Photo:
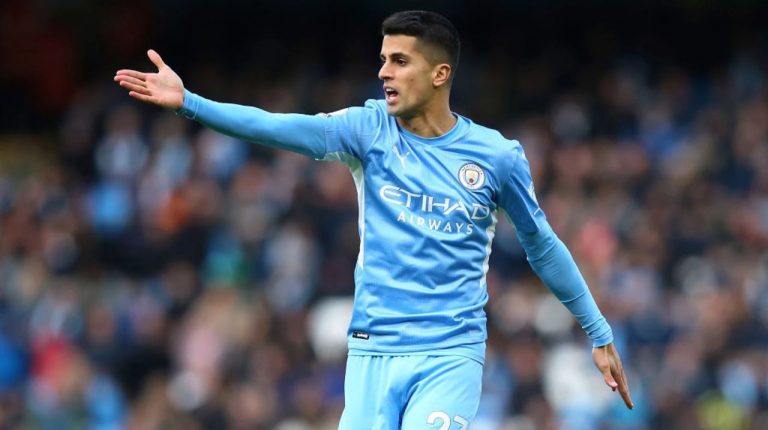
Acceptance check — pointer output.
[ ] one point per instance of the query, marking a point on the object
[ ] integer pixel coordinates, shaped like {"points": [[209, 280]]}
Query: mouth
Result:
{"points": [[391, 95]]}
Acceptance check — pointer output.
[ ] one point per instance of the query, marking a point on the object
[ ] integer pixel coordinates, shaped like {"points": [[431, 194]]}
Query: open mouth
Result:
{"points": [[390, 95]]}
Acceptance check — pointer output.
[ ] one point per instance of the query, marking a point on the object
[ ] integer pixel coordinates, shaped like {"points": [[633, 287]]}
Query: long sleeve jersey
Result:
{"points": [[428, 209]]}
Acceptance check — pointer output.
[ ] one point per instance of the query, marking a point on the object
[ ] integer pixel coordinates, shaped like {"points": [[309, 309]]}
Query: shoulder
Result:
{"points": [[372, 113], [365, 119], [375, 116], [503, 151], [371, 107], [376, 104], [372, 110], [493, 138]]}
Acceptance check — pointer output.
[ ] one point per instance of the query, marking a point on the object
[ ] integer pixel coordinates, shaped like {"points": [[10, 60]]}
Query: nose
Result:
{"points": [[385, 72]]}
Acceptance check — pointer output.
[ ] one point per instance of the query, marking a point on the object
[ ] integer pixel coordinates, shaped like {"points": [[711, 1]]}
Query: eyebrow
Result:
{"points": [[395, 55]]}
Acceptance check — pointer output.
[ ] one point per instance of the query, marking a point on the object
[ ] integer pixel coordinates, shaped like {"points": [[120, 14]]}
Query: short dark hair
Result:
{"points": [[430, 27]]}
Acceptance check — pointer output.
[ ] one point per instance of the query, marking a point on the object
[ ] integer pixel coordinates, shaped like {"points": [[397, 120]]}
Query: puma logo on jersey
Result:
{"points": [[399, 156]]}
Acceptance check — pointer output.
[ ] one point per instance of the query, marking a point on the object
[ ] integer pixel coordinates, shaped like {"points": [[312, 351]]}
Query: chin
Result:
{"points": [[399, 112], [393, 110]]}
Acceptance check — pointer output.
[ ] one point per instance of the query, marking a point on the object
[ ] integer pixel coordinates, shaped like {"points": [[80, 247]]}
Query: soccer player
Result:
{"points": [[430, 186]]}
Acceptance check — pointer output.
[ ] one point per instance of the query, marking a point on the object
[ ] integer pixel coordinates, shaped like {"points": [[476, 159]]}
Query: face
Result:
{"points": [[409, 77]]}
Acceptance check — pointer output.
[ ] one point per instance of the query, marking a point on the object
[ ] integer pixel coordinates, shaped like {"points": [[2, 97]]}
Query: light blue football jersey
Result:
{"points": [[428, 209]]}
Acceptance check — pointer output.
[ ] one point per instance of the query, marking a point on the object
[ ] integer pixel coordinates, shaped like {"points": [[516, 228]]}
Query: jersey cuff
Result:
{"points": [[604, 338], [191, 104]]}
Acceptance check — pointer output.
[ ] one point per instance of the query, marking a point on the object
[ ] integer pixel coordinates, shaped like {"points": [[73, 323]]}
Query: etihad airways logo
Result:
{"points": [[432, 212]]}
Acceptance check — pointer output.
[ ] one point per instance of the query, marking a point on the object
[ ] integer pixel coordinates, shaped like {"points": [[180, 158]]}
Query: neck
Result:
{"points": [[432, 121]]}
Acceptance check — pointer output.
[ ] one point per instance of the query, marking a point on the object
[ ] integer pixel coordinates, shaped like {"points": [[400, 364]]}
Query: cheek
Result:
{"points": [[418, 87]]}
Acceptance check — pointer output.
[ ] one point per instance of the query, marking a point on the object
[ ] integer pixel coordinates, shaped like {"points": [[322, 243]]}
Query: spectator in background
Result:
{"points": [[684, 227]]}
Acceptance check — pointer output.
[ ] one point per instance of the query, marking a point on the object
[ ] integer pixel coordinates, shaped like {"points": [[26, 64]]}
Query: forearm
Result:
{"points": [[304, 134], [553, 263]]}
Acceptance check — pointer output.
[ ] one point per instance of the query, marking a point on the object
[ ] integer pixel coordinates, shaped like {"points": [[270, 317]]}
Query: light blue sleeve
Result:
{"points": [[547, 254], [322, 136]]}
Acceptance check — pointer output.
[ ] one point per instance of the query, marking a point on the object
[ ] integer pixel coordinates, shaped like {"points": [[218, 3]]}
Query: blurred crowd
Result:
{"points": [[157, 275]]}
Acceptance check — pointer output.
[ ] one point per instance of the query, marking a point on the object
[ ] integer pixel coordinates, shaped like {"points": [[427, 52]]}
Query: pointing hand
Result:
{"points": [[607, 360]]}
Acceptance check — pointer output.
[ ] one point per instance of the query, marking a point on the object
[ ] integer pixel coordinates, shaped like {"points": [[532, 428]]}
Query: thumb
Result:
{"points": [[155, 58]]}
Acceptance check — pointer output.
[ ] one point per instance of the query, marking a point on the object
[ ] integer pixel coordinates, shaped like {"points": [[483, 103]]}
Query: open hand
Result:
{"points": [[607, 360], [163, 88]]}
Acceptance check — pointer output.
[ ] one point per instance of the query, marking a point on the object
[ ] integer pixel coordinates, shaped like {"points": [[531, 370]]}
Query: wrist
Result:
{"points": [[189, 105]]}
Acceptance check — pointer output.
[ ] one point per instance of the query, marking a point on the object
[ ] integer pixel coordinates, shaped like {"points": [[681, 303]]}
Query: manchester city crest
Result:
{"points": [[471, 176]]}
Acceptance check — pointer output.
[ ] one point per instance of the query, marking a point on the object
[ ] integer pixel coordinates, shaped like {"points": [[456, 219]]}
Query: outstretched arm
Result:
{"points": [[305, 134], [554, 264]]}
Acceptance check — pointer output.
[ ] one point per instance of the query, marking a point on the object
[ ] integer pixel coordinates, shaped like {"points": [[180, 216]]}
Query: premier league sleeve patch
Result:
{"points": [[471, 176], [337, 113]]}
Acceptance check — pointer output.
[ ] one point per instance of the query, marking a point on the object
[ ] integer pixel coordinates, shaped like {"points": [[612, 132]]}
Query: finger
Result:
{"points": [[624, 393], [135, 88], [132, 73], [603, 363], [131, 80], [155, 58], [624, 388], [143, 97], [610, 380]]}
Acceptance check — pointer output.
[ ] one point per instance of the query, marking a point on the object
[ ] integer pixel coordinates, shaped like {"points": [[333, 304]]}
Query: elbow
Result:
{"points": [[540, 243]]}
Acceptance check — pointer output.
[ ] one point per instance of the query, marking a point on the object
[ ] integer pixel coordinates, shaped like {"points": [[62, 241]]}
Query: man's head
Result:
{"points": [[419, 54]]}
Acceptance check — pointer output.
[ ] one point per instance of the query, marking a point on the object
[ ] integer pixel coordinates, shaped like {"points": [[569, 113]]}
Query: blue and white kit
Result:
{"points": [[428, 209]]}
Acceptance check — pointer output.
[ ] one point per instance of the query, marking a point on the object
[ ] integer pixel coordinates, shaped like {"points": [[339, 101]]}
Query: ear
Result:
{"points": [[441, 75]]}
